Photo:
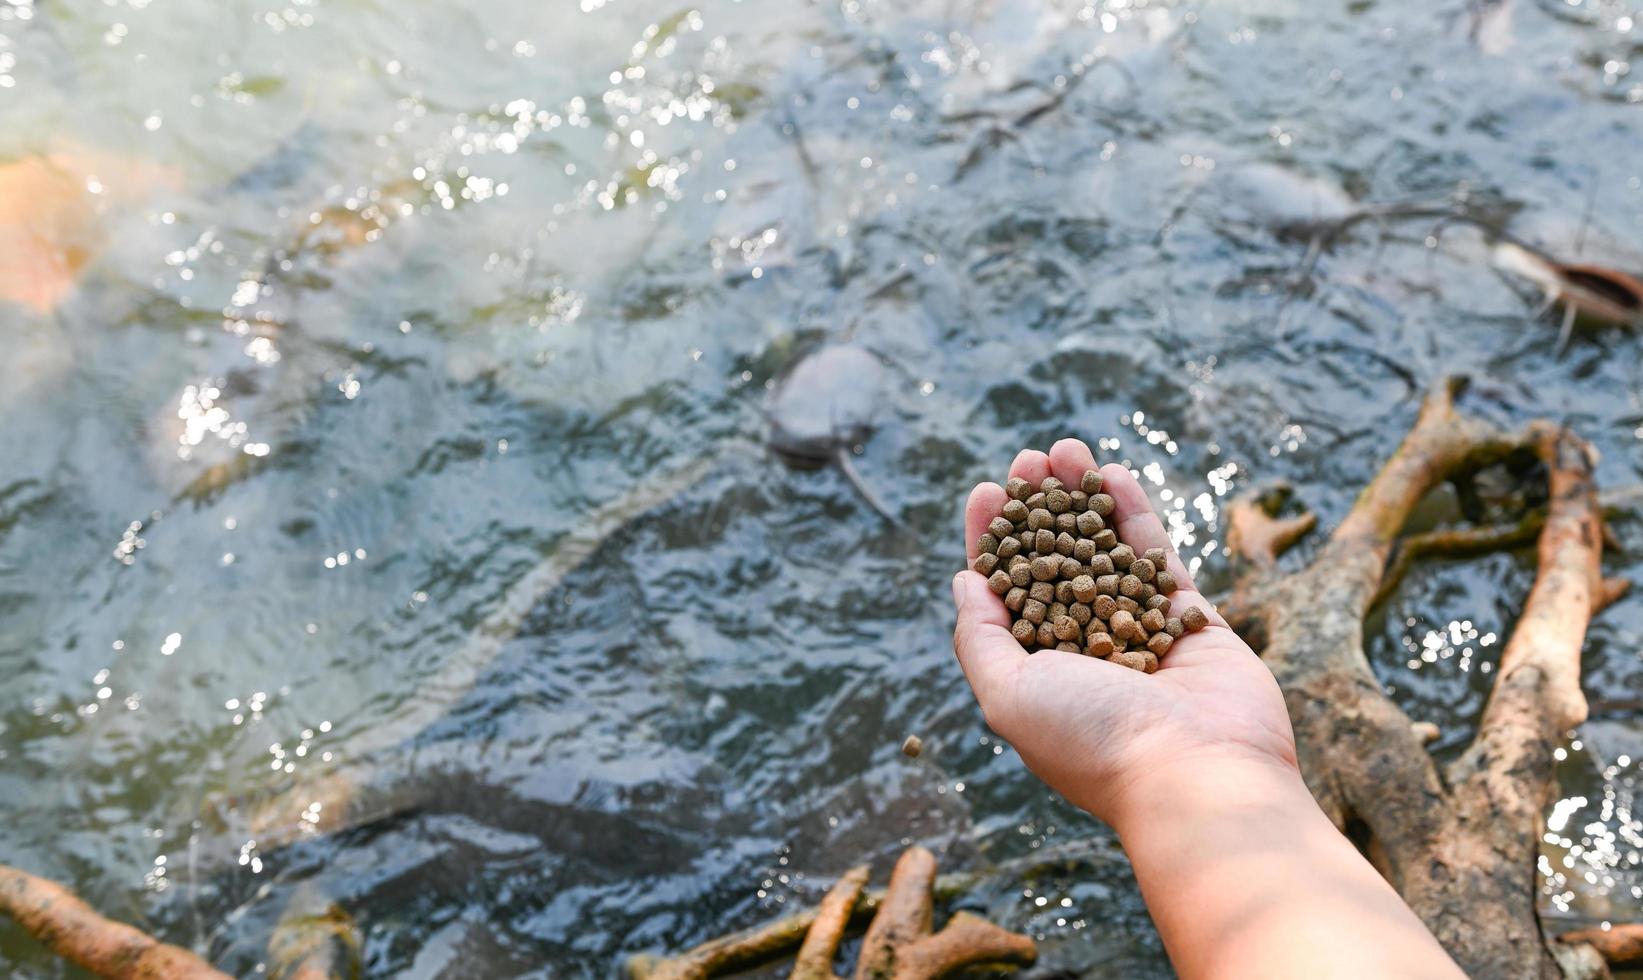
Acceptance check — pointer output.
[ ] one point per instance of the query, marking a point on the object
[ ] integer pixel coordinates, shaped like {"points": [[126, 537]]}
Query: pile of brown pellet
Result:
{"points": [[1072, 585]]}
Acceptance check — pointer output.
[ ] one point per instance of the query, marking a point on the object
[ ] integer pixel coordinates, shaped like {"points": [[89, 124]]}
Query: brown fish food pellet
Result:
{"points": [[1130, 587], [1033, 612], [1129, 658], [1056, 559], [1067, 628], [1104, 606]]}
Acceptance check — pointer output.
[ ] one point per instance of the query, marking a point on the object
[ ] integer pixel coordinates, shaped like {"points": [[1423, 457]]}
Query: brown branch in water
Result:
{"points": [[75, 931], [315, 939], [900, 946], [1619, 945], [821, 942], [1463, 542], [762, 944], [1459, 845], [1254, 531]]}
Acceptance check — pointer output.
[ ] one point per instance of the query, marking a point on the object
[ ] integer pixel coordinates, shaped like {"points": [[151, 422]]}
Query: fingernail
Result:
{"points": [[959, 591]]}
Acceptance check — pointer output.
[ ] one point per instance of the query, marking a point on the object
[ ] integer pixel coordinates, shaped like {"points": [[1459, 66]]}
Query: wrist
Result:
{"points": [[1214, 790]]}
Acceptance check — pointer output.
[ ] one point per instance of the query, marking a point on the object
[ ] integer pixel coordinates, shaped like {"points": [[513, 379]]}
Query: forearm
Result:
{"points": [[1245, 876]]}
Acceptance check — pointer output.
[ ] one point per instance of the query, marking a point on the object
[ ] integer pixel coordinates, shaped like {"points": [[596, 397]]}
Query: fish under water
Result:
{"points": [[825, 407], [1590, 293]]}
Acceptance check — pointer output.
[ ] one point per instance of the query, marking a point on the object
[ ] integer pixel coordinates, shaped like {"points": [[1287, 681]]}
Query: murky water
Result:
{"points": [[396, 404]]}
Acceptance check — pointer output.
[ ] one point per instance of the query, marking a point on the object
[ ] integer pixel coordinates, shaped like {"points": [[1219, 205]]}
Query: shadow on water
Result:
{"points": [[412, 439]]}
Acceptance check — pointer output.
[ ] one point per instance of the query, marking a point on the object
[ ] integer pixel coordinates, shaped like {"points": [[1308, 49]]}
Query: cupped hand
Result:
{"points": [[1106, 736]]}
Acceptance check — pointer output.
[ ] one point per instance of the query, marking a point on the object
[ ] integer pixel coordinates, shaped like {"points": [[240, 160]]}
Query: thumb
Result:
{"points": [[986, 650]]}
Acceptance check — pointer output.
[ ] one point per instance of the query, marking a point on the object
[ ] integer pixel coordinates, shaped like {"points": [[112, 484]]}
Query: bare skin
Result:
{"points": [[1195, 767]]}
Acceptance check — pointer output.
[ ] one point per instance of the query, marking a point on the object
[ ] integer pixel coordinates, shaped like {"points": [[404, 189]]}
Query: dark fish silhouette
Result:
{"points": [[823, 408]]}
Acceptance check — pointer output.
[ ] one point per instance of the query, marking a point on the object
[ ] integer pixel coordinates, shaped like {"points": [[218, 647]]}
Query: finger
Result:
{"points": [[1070, 459], [986, 502], [1031, 465], [1139, 527], [1135, 522], [988, 653]]}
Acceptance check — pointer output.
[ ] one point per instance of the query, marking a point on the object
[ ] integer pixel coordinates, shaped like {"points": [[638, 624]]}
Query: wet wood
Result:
{"points": [[1459, 844], [75, 931]]}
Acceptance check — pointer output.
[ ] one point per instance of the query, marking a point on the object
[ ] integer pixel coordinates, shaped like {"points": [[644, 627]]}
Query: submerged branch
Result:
{"points": [[75, 931], [1619, 945]]}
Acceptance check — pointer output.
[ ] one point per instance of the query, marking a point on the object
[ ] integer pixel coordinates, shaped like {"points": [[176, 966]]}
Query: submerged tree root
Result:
{"points": [[73, 930], [1459, 843], [899, 944]]}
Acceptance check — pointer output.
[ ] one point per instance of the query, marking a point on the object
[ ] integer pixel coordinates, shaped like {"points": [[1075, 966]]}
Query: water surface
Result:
{"points": [[386, 313]]}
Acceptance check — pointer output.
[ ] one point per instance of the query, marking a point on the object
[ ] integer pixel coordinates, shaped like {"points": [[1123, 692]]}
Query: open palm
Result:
{"points": [[1090, 729]]}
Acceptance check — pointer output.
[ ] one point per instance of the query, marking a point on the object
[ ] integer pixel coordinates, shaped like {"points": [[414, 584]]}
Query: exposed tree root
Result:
{"points": [[314, 940], [1619, 945], [821, 942], [899, 940], [1459, 844], [1256, 534], [74, 931]]}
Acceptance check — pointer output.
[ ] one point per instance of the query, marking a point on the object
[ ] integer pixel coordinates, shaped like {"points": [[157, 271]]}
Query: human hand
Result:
{"points": [[1107, 737]]}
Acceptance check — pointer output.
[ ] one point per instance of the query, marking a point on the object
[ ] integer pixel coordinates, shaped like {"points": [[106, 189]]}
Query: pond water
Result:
{"points": [[384, 389]]}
